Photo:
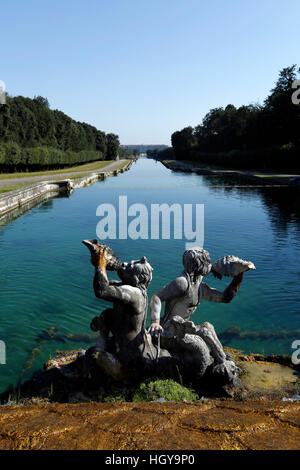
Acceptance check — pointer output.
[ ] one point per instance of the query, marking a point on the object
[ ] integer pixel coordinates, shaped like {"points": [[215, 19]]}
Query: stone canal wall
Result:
{"points": [[243, 176], [16, 199]]}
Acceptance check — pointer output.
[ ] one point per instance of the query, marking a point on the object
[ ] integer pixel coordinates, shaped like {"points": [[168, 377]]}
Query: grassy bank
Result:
{"points": [[283, 178], [13, 187], [82, 170], [85, 167]]}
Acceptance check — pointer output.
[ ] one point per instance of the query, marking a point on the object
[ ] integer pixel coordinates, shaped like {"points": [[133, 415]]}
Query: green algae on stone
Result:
{"points": [[168, 390]]}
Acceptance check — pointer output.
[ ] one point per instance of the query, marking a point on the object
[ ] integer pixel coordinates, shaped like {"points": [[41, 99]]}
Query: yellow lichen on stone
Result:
{"points": [[132, 426], [265, 376]]}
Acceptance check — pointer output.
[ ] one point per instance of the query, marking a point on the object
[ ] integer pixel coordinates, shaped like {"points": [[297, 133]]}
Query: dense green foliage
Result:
{"points": [[127, 153], [143, 148], [166, 389], [161, 154], [255, 136], [32, 136]]}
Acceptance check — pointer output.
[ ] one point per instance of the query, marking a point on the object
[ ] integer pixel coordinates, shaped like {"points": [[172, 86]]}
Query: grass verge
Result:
{"points": [[14, 187], [86, 167]]}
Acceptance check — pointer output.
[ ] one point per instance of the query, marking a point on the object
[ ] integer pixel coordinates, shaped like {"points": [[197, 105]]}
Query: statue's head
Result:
{"points": [[137, 273], [196, 262]]}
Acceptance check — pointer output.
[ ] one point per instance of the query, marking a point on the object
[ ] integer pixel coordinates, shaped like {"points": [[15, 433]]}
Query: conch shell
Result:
{"points": [[231, 266], [114, 263]]}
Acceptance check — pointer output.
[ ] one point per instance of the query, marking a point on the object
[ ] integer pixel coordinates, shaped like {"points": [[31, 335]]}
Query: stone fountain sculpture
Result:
{"points": [[197, 347], [124, 347], [173, 346]]}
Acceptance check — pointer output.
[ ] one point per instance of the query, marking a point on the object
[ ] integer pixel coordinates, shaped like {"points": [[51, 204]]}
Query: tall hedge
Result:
{"points": [[32, 136]]}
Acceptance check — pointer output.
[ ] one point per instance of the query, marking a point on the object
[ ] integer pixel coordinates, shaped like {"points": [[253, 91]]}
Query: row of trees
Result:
{"points": [[128, 152], [253, 136], [34, 136], [161, 153]]}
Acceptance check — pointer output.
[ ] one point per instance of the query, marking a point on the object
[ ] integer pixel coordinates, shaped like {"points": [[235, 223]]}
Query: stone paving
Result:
{"points": [[212, 424]]}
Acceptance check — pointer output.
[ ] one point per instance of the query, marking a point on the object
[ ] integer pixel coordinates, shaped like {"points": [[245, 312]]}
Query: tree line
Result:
{"points": [[263, 136], [32, 136]]}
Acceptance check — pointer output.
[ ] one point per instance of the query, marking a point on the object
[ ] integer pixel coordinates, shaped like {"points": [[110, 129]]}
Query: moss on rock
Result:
{"points": [[167, 390]]}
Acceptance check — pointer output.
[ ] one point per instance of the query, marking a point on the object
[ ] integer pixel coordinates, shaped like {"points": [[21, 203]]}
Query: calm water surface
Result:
{"points": [[46, 276]]}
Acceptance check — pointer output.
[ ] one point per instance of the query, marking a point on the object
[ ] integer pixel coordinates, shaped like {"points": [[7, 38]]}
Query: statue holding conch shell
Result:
{"points": [[172, 342]]}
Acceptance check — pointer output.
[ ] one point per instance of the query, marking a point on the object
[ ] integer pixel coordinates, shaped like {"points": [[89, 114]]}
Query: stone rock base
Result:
{"points": [[211, 424]]}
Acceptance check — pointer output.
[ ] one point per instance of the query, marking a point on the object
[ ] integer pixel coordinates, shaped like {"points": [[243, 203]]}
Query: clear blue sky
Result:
{"points": [[142, 68]]}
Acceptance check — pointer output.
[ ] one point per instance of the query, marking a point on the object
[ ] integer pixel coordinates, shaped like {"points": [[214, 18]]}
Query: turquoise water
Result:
{"points": [[46, 276]]}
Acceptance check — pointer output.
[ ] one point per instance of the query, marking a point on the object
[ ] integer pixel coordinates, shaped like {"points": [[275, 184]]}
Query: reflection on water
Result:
{"points": [[283, 208], [46, 275], [282, 203]]}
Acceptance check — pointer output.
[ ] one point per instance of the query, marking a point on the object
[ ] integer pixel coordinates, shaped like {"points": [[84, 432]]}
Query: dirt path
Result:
{"points": [[58, 176]]}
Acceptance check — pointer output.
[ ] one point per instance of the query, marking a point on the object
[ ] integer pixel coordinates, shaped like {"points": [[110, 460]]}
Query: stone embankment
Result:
{"points": [[16, 199], [254, 178]]}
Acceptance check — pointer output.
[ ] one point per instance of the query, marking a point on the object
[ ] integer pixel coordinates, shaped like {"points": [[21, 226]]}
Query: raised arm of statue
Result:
{"points": [[103, 258], [109, 291], [209, 293]]}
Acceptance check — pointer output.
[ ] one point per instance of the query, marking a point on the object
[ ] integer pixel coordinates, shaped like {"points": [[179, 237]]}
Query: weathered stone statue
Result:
{"points": [[197, 346], [125, 349], [123, 342]]}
